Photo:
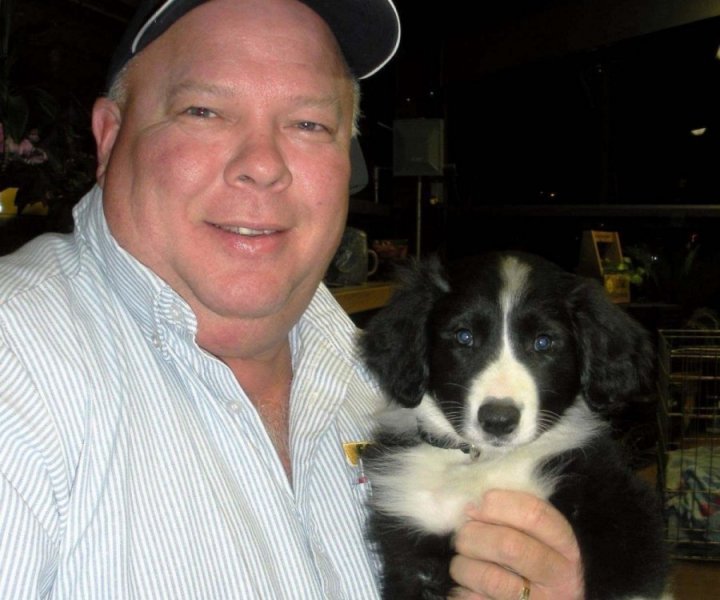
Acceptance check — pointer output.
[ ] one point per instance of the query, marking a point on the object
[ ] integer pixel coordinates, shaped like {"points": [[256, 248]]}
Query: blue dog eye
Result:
{"points": [[464, 337], [542, 343]]}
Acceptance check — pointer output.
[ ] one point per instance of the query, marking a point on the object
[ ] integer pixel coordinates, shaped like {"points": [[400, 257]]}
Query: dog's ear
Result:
{"points": [[617, 355], [394, 343]]}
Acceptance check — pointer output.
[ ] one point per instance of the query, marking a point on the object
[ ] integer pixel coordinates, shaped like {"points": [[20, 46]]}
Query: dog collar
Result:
{"points": [[445, 444]]}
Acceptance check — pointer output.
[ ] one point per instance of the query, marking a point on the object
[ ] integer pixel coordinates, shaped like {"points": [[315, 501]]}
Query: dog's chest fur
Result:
{"points": [[430, 487]]}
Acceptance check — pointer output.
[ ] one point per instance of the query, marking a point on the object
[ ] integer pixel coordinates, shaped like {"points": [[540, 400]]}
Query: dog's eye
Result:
{"points": [[464, 337], [542, 343]]}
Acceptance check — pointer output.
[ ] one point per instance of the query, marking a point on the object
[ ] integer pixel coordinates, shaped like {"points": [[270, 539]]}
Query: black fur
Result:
{"points": [[599, 356]]}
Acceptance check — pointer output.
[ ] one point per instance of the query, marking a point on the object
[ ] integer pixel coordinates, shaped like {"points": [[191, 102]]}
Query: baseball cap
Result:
{"points": [[368, 31]]}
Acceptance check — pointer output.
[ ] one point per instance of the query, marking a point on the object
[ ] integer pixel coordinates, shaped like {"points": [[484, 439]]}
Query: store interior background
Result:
{"points": [[558, 117]]}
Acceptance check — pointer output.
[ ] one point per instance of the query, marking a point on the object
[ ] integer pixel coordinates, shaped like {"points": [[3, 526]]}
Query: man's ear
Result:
{"points": [[106, 120]]}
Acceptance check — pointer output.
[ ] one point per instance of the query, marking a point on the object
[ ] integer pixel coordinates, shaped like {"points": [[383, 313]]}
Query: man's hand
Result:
{"points": [[512, 539]]}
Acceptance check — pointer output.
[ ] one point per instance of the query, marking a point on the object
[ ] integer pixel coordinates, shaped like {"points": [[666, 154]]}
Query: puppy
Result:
{"points": [[502, 372]]}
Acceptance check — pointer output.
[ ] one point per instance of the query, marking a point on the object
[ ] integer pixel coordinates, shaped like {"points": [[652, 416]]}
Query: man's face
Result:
{"points": [[227, 172]]}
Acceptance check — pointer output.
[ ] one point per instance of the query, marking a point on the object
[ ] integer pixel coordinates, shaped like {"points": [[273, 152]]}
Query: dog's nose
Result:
{"points": [[499, 416]]}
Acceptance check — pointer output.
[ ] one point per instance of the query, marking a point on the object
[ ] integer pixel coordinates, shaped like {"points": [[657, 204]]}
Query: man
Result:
{"points": [[176, 386]]}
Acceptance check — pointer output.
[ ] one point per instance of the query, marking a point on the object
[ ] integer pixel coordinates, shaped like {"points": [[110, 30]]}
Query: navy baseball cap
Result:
{"points": [[368, 31]]}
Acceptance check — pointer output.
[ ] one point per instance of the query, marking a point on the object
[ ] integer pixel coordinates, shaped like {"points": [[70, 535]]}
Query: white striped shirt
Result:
{"points": [[132, 465]]}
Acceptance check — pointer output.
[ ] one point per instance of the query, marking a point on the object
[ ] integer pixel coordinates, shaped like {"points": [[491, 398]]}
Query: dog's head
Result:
{"points": [[493, 350]]}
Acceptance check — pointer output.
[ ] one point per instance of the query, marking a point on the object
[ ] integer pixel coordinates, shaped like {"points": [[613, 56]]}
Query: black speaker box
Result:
{"points": [[418, 147]]}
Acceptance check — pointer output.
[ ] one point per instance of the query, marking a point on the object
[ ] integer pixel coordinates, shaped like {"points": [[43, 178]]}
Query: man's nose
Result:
{"points": [[258, 161]]}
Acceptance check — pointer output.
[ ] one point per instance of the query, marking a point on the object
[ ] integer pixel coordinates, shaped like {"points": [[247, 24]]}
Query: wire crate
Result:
{"points": [[689, 392]]}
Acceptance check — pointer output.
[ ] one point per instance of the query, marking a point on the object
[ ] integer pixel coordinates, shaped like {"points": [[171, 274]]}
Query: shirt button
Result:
{"points": [[234, 407], [156, 341], [176, 314]]}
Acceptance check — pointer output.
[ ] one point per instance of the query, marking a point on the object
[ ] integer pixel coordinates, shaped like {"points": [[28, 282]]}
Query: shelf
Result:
{"points": [[368, 296], [659, 211], [365, 207]]}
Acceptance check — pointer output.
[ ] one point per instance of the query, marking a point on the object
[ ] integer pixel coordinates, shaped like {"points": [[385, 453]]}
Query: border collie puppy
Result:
{"points": [[501, 373]]}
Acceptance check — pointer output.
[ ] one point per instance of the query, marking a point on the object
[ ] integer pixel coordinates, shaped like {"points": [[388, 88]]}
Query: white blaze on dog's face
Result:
{"points": [[505, 394], [502, 357]]}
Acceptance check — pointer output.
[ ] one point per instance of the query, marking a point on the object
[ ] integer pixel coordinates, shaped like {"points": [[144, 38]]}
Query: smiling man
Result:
{"points": [[177, 383], [228, 177]]}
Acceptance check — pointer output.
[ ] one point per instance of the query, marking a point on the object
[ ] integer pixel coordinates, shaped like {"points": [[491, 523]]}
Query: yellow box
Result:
{"points": [[617, 285], [7, 202]]}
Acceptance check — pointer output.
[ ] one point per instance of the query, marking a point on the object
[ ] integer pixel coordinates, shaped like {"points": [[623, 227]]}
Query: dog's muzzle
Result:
{"points": [[499, 417]]}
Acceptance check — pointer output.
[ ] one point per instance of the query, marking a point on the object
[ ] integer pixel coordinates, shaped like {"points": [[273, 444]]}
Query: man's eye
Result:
{"points": [[311, 126], [200, 112]]}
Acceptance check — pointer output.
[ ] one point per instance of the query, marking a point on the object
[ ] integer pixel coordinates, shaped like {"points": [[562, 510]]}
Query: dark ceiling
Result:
{"points": [[589, 101], [496, 34]]}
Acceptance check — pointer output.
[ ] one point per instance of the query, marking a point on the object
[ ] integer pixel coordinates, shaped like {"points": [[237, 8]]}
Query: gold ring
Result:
{"points": [[525, 594]]}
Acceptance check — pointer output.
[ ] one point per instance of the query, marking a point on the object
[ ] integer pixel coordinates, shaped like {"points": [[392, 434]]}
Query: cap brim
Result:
{"points": [[368, 31]]}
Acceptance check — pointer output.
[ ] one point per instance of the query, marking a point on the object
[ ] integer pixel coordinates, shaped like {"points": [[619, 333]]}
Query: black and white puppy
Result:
{"points": [[502, 369]]}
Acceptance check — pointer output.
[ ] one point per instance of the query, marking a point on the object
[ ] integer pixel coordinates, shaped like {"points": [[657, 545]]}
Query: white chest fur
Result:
{"points": [[429, 487]]}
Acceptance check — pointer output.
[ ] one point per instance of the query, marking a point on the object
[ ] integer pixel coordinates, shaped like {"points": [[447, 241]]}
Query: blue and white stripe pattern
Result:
{"points": [[133, 466]]}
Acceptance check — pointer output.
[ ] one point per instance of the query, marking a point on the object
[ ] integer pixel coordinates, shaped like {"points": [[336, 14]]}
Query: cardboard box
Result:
{"points": [[600, 255], [617, 285]]}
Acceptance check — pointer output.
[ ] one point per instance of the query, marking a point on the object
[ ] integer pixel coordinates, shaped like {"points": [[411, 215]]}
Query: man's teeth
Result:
{"points": [[247, 231]]}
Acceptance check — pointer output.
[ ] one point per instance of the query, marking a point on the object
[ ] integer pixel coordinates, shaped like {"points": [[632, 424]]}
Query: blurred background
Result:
{"points": [[507, 124]]}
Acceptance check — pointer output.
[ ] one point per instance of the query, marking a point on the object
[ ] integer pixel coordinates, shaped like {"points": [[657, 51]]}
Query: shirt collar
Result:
{"points": [[152, 302], [149, 299]]}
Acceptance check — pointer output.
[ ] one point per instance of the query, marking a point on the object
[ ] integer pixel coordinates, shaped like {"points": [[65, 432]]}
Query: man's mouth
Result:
{"points": [[246, 231]]}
